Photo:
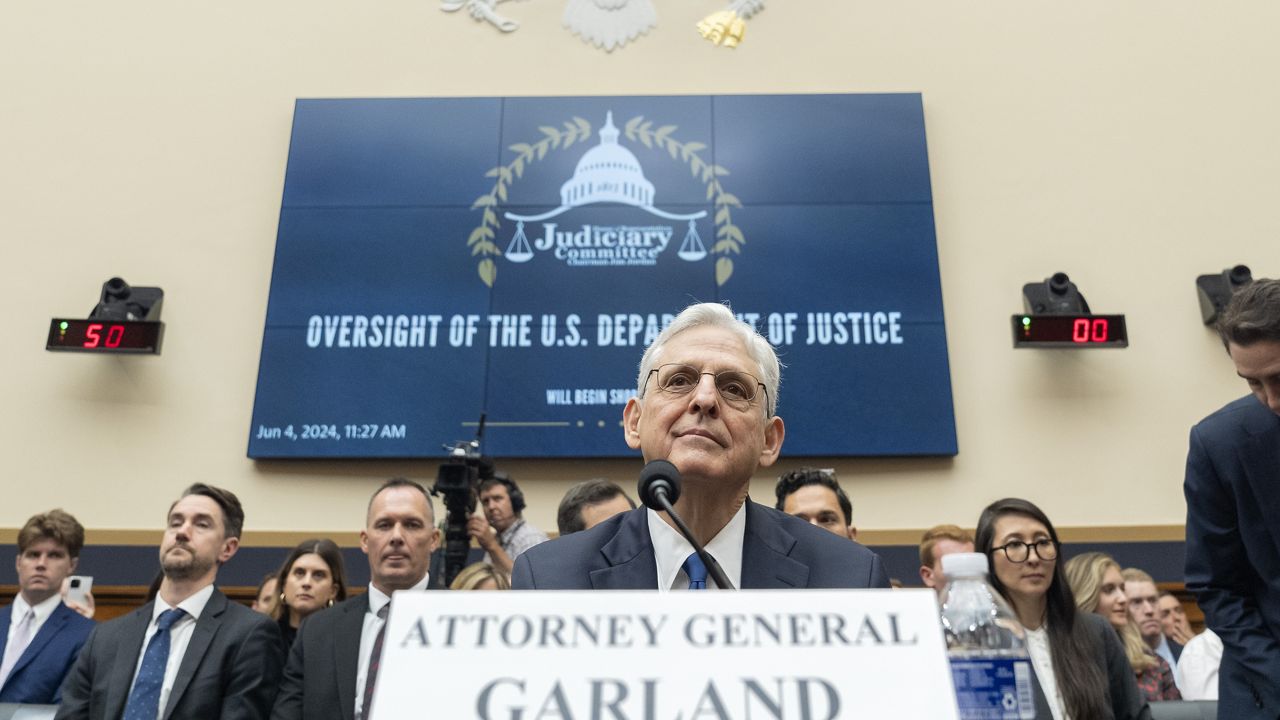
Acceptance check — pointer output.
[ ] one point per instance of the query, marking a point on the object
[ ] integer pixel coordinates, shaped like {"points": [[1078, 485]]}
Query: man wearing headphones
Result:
{"points": [[502, 531]]}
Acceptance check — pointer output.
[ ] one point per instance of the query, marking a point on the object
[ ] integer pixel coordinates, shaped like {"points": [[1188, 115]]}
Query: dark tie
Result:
{"points": [[375, 656], [144, 699], [696, 571]]}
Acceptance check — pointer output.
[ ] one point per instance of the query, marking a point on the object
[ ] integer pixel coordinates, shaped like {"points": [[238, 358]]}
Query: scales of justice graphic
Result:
{"points": [[607, 172]]}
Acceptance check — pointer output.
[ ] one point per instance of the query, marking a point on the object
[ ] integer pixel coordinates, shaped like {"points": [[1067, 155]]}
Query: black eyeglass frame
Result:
{"points": [[750, 400], [1046, 542]]}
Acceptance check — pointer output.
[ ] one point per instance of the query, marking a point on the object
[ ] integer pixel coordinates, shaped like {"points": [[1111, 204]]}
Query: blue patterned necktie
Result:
{"points": [[144, 699], [696, 571]]}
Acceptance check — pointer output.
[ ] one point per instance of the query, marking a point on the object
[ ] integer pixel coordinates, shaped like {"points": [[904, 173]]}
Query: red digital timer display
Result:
{"points": [[1070, 331], [102, 336]]}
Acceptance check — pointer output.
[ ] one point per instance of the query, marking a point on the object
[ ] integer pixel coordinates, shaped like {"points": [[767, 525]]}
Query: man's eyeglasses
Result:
{"points": [[1018, 551], [738, 389]]}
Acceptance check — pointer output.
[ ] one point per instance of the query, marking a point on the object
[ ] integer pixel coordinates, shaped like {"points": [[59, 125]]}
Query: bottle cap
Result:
{"points": [[964, 564]]}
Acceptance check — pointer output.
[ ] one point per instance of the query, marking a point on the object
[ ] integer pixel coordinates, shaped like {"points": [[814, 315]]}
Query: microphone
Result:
{"points": [[659, 488]]}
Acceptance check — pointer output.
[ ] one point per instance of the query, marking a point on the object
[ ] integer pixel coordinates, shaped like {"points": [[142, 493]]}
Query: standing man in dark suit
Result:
{"points": [[39, 636], [190, 654], [705, 400], [1233, 511], [332, 667]]}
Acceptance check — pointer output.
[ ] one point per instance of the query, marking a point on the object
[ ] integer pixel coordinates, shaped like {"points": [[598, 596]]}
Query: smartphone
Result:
{"points": [[78, 587]]}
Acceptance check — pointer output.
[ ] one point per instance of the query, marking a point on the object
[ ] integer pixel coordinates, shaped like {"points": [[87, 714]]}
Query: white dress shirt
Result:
{"points": [[1042, 660], [369, 635], [43, 610], [179, 637], [1198, 671], [670, 550], [1166, 652]]}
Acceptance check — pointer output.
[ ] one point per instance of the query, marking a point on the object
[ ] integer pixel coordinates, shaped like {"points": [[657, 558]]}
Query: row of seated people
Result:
{"points": [[1152, 629]]}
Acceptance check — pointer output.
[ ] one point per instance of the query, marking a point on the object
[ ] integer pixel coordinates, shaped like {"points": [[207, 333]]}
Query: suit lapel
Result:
{"points": [[206, 627], [125, 661], [6, 616], [766, 550], [629, 555], [1260, 458], [346, 663], [47, 632]]}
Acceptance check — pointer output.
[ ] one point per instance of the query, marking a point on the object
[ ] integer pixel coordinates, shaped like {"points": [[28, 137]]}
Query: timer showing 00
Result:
{"points": [[1070, 331], [96, 336]]}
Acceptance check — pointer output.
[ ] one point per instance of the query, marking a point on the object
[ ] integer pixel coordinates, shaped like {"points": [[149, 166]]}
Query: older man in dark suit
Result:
{"points": [[706, 398], [1233, 502], [40, 637], [333, 665], [190, 654]]}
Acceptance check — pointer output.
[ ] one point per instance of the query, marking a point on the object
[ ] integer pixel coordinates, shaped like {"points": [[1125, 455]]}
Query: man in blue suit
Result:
{"points": [[1233, 511], [39, 636], [705, 400]]}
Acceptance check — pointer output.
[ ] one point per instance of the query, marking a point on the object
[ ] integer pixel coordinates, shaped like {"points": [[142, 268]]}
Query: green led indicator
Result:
{"points": [[63, 325], [1026, 322]]}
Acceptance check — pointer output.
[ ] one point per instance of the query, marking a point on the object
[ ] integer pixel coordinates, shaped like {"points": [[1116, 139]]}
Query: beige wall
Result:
{"points": [[1131, 144]]}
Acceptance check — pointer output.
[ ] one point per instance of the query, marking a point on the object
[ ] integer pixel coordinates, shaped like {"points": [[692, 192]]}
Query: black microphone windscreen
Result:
{"points": [[658, 474]]}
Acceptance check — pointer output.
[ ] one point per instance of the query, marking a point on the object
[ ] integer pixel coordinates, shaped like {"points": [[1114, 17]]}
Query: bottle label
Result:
{"points": [[993, 688]]}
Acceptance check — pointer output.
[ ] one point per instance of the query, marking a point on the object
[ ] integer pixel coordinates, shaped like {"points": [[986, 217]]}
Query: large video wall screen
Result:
{"points": [[442, 258]]}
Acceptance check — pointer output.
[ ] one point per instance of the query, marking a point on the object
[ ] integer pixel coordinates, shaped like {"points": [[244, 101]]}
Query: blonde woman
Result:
{"points": [[1098, 587], [480, 576]]}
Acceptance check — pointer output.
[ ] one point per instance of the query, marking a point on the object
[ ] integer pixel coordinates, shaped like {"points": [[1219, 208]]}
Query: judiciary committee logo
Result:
{"points": [[606, 173]]}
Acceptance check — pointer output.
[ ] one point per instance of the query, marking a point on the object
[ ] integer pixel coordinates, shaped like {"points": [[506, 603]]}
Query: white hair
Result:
{"points": [[717, 315]]}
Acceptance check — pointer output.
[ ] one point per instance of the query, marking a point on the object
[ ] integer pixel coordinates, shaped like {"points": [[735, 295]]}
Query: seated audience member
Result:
{"points": [[590, 503], [1144, 599], [192, 653], [265, 599], [1173, 618], [311, 579], [706, 401], [331, 672], [1098, 587], [502, 530], [938, 541], [1198, 668], [1080, 667], [39, 635], [480, 576], [814, 496]]}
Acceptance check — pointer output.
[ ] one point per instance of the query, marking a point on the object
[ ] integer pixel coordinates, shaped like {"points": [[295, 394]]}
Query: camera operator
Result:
{"points": [[502, 531]]}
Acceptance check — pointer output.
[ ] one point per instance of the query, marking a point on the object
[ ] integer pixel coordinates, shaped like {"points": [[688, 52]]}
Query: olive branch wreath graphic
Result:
{"points": [[729, 237]]}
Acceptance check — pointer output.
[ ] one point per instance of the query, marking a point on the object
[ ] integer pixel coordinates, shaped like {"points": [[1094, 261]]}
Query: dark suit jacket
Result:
{"points": [[1233, 550], [1175, 649], [38, 674], [231, 669], [1126, 699], [320, 677], [778, 551]]}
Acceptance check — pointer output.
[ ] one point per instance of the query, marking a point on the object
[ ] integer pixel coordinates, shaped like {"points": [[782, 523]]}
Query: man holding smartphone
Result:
{"points": [[40, 637]]}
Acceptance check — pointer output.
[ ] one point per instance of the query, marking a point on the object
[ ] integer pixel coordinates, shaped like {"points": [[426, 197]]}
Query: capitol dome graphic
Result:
{"points": [[607, 173]]}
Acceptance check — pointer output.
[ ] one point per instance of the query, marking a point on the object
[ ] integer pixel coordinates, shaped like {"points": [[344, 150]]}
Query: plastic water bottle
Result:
{"points": [[986, 644]]}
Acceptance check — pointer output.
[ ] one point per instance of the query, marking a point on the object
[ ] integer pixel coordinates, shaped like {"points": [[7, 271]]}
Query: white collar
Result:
{"points": [[43, 609], [193, 605], [377, 598], [670, 549]]}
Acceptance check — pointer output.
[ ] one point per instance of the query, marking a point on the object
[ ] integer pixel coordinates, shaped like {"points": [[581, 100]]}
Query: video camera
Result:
{"points": [[458, 483]]}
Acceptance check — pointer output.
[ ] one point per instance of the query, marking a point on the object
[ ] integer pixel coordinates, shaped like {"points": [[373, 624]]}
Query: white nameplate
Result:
{"points": [[612, 655]]}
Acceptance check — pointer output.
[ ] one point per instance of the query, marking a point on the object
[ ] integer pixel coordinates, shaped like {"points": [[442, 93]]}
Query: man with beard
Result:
{"points": [[190, 653]]}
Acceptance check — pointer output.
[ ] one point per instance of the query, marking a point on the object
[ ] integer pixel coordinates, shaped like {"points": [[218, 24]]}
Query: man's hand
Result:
{"points": [[478, 527]]}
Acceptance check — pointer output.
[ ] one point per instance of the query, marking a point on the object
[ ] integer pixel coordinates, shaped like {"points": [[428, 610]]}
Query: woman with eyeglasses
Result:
{"points": [[1080, 667], [1098, 587]]}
